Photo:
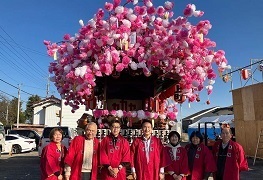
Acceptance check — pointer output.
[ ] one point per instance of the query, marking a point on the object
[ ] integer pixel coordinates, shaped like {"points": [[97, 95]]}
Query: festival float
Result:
{"points": [[134, 61]]}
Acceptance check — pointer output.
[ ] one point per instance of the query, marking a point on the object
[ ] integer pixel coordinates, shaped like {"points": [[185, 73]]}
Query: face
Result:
{"points": [[226, 135], [195, 140], [147, 129], [174, 139], [115, 129], [57, 137], [90, 131]]}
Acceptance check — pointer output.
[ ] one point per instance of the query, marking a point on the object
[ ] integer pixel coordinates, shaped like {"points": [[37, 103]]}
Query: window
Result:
{"points": [[10, 138]]}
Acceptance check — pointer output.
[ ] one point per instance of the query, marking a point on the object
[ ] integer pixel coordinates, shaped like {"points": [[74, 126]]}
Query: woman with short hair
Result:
{"points": [[175, 161], [200, 159], [52, 157]]}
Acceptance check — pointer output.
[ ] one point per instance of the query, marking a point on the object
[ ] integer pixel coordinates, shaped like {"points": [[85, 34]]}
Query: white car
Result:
{"points": [[16, 144]]}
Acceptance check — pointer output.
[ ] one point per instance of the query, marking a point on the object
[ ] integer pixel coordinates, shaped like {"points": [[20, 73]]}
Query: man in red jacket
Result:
{"points": [[81, 161], [229, 156], [114, 154], [146, 155]]}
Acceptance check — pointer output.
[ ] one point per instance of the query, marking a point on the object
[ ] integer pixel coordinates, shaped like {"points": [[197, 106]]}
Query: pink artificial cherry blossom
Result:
{"points": [[140, 38]]}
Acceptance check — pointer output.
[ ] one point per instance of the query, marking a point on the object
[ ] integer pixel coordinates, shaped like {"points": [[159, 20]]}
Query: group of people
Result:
{"points": [[147, 157]]}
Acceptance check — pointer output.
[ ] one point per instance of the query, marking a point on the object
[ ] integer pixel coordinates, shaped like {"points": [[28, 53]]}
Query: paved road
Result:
{"points": [[25, 166]]}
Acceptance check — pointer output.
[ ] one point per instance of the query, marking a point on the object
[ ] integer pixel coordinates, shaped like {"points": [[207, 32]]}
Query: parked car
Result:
{"points": [[2, 138], [17, 144], [68, 135], [32, 134]]}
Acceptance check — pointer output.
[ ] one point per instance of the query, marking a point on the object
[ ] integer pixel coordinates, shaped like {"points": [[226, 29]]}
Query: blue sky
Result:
{"points": [[237, 29]]}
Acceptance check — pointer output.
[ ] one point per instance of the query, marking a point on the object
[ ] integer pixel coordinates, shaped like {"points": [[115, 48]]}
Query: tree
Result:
{"points": [[4, 105], [29, 107], [12, 112]]}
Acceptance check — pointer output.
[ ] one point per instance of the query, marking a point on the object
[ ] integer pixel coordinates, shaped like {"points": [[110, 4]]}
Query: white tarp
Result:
{"points": [[224, 119], [212, 130]]}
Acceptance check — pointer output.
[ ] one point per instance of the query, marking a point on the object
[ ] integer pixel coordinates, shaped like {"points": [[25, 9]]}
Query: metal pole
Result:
{"points": [[6, 117], [232, 85], [251, 70], [18, 107], [60, 112], [48, 84]]}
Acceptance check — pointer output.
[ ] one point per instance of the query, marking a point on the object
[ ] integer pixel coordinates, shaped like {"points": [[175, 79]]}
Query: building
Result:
{"points": [[52, 112], [214, 111]]}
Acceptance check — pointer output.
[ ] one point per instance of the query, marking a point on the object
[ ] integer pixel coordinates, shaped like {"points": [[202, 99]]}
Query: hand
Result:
{"points": [[134, 175], [112, 171], [116, 171], [178, 177], [67, 177], [161, 176], [174, 176], [60, 177]]}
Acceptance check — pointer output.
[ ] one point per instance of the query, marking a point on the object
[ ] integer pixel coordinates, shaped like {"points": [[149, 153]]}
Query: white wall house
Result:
{"points": [[47, 112], [70, 119]]}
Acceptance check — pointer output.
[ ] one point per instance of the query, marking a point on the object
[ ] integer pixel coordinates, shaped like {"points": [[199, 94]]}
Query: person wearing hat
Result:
{"points": [[175, 161], [200, 159], [229, 156]]}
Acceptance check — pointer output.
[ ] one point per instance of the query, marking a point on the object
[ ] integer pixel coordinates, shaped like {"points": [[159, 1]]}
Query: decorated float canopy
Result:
{"points": [[139, 54]]}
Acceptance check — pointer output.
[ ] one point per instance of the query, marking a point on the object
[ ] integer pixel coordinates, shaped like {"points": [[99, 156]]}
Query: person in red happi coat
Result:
{"points": [[114, 154], [52, 157], [229, 156], [200, 159], [146, 155], [175, 161], [81, 162]]}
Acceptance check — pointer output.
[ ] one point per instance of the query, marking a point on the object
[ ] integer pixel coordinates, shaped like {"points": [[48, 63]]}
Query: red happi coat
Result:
{"points": [[235, 160], [74, 157], [52, 160], [144, 170], [113, 156], [178, 164], [203, 162]]}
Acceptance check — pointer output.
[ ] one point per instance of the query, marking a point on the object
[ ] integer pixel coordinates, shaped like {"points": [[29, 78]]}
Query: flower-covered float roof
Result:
{"points": [[138, 39]]}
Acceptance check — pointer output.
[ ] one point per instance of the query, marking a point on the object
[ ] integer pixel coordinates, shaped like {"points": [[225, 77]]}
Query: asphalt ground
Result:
{"points": [[25, 166]]}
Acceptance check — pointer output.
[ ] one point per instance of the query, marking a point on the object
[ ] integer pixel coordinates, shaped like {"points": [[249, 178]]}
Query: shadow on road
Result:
{"points": [[20, 166]]}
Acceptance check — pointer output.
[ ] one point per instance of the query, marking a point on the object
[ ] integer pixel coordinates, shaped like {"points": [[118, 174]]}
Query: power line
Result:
{"points": [[20, 59], [16, 87], [37, 70], [24, 72], [7, 94], [8, 76], [28, 49]]}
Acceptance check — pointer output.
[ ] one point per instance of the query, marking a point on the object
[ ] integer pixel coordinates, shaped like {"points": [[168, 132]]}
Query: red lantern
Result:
{"points": [[244, 74]]}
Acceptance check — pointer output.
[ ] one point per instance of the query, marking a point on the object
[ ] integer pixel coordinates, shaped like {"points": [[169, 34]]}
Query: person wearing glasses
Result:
{"points": [[146, 155], [114, 154], [81, 162], [229, 156], [200, 159]]}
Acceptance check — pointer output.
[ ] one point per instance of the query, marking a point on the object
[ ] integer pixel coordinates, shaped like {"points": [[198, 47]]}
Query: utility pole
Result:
{"points": [[18, 107], [6, 117], [48, 85]]}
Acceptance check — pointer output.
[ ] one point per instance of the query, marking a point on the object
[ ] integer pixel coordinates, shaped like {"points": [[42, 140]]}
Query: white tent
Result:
{"points": [[223, 119], [212, 130]]}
